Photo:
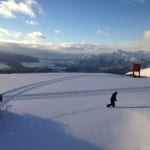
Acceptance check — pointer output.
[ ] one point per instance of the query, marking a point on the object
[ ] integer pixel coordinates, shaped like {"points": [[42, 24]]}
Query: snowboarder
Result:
{"points": [[112, 100], [1, 97]]}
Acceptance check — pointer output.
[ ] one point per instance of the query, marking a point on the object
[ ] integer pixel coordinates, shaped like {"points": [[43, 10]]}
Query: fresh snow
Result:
{"points": [[67, 111], [143, 72]]}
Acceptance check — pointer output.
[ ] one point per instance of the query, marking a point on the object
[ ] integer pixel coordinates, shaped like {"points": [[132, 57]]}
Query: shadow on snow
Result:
{"points": [[28, 132]]}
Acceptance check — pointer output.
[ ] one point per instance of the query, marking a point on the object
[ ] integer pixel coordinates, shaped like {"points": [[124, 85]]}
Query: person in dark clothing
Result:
{"points": [[1, 97], [112, 100]]}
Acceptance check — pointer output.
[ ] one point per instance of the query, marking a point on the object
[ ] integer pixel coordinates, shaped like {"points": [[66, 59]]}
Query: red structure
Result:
{"points": [[136, 68]]}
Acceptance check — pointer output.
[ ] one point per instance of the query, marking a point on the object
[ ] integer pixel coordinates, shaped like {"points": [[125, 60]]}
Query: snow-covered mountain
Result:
{"points": [[118, 58], [118, 61]]}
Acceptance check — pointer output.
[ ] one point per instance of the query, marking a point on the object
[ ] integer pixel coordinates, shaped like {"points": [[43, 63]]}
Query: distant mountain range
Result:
{"points": [[118, 61]]}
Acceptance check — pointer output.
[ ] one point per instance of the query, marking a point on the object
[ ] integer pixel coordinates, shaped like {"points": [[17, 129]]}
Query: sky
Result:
{"points": [[76, 24]]}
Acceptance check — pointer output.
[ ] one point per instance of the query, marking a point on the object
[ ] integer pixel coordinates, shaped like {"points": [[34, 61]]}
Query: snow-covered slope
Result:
{"points": [[67, 111]]}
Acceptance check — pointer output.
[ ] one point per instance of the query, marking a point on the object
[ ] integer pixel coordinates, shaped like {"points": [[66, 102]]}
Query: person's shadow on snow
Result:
{"points": [[28, 132]]}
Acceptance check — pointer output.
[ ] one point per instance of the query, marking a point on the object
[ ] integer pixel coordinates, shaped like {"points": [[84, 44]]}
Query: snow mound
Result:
{"points": [[143, 73]]}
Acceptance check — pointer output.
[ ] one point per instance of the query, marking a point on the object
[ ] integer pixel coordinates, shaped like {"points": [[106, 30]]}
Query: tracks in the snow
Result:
{"points": [[9, 95], [18, 93], [81, 93]]}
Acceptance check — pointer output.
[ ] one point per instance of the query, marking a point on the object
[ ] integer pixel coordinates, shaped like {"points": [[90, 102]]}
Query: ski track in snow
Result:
{"points": [[12, 94], [17, 93], [82, 93]]}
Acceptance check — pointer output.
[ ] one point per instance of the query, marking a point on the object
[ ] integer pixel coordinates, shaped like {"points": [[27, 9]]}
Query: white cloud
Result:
{"points": [[102, 32], [10, 8], [31, 37], [16, 34], [147, 34], [38, 41], [57, 31], [140, 44], [78, 47], [36, 36], [6, 33], [31, 22]]}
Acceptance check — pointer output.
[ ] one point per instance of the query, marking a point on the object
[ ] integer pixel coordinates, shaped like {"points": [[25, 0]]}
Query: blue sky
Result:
{"points": [[76, 23]]}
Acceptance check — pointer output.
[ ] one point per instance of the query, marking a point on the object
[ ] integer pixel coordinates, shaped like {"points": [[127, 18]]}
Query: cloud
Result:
{"points": [[3, 32], [140, 44], [57, 31], [11, 8], [54, 47], [102, 32], [7, 33], [36, 36], [31, 22], [147, 34], [76, 47], [31, 37], [37, 40], [16, 34]]}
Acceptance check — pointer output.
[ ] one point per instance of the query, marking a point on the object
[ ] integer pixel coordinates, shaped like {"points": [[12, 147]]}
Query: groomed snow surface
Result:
{"points": [[68, 111]]}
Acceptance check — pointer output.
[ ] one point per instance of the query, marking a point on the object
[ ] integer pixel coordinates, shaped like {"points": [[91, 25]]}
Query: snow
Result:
{"points": [[143, 72], [146, 72], [67, 111]]}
